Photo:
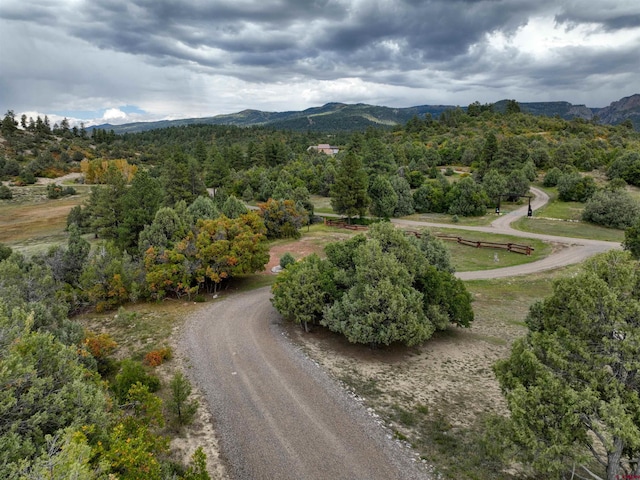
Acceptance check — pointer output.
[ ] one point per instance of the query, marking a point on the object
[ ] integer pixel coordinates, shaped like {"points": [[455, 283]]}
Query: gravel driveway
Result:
{"points": [[279, 416]]}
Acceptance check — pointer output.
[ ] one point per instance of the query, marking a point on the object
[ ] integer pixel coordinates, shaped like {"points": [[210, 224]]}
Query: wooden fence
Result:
{"points": [[341, 224], [510, 247]]}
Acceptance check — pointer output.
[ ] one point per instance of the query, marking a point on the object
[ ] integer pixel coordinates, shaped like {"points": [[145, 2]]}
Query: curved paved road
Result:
{"points": [[279, 416]]}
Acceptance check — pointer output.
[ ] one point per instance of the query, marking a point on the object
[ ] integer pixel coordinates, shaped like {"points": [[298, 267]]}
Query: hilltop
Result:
{"points": [[334, 117]]}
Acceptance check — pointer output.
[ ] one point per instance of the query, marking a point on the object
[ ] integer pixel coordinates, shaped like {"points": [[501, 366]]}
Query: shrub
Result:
{"points": [[132, 372], [99, 345], [626, 167], [613, 209], [158, 357], [573, 187], [5, 193], [552, 177], [5, 251], [287, 259], [57, 191]]}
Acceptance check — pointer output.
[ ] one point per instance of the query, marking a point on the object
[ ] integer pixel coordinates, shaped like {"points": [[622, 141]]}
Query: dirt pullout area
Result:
{"points": [[450, 374], [302, 248]]}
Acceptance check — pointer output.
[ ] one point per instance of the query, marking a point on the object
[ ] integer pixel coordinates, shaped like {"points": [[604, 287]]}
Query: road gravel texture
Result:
{"points": [[280, 416]]}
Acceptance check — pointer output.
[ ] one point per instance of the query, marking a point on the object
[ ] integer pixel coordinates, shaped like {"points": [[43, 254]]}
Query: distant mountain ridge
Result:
{"points": [[341, 116]]}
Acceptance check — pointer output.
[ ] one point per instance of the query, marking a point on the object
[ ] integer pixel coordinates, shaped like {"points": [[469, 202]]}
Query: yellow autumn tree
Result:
{"points": [[95, 171]]}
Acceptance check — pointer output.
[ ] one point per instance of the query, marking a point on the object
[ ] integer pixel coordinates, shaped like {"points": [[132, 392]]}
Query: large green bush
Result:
{"points": [[612, 208]]}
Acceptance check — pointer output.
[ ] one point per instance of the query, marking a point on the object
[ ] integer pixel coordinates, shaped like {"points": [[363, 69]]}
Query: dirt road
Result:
{"points": [[279, 416]]}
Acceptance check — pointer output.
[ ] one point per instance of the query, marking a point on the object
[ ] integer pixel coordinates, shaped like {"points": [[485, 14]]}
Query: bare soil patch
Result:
{"points": [[300, 248], [450, 374]]}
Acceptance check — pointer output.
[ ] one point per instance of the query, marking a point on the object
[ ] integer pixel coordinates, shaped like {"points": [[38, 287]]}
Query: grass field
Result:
{"points": [[466, 258], [32, 223], [569, 229]]}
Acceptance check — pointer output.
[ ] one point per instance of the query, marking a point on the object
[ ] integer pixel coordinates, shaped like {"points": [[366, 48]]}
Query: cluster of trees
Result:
{"points": [[610, 206], [154, 250], [572, 383], [67, 409], [384, 288], [385, 196], [41, 126], [165, 235], [503, 150]]}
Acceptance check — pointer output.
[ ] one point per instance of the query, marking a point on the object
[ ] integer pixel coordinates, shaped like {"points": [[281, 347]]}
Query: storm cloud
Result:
{"points": [[192, 57]]}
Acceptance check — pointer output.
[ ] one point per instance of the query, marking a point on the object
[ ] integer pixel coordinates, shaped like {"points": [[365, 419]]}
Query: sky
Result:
{"points": [[120, 61]]}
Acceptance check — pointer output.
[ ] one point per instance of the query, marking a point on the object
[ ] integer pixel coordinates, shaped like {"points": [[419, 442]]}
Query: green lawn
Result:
{"points": [[466, 258], [576, 229]]}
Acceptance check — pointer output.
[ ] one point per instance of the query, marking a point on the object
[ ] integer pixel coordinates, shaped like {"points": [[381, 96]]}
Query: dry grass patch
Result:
{"points": [[33, 222]]}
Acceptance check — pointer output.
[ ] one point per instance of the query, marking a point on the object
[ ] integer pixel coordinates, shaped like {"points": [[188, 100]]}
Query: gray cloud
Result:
{"points": [[164, 53], [611, 16]]}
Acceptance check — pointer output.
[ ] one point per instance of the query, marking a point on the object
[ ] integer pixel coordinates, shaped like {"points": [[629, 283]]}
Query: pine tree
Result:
{"points": [[349, 192]]}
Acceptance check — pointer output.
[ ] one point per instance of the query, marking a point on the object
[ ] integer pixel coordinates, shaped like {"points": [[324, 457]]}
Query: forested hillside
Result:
{"points": [[167, 217]]}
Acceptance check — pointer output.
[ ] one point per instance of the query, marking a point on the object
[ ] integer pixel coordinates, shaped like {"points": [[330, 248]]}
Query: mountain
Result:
{"points": [[327, 118], [627, 108], [564, 110], [334, 117]]}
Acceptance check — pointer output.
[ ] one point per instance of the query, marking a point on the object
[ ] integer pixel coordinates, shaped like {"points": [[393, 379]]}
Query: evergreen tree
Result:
{"points": [[349, 192], [494, 184], [181, 179], [233, 208], [202, 208], [572, 383], [467, 198], [218, 171], [105, 207], [405, 199], [179, 404], [304, 289], [140, 204], [382, 307], [383, 198]]}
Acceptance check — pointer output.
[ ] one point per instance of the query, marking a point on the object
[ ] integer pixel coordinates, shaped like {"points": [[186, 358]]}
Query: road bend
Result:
{"points": [[279, 415]]}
